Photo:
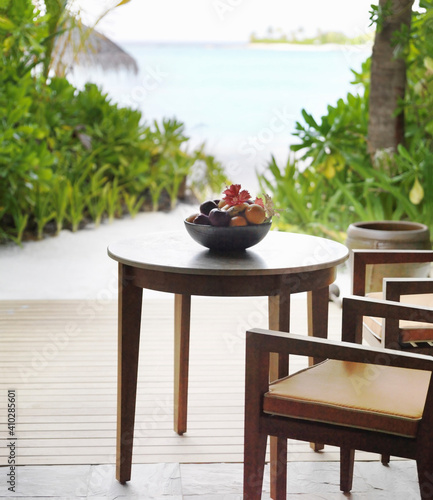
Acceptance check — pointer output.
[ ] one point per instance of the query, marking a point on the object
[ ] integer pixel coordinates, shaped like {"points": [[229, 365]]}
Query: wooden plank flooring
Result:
{"points": [[60, 358]]}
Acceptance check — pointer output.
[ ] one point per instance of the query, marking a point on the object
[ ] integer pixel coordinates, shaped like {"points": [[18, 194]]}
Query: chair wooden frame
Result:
{"points": [[258, 425], [361, 258], [393, 289]]}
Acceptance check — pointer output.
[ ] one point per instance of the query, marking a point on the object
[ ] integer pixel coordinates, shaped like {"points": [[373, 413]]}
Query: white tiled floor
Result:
{"points": [[172, 481]]}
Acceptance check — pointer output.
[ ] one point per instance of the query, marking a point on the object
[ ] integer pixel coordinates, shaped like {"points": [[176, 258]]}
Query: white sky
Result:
{"points": [[225, 20]]}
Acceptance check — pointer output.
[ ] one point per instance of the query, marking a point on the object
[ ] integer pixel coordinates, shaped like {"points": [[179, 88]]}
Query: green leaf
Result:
{"points": [[309, 119], [45, 174], [6, 24], [402, 151]]}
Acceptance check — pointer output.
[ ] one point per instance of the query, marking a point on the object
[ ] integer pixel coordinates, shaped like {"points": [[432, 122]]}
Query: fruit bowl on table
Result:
{"points": [[234, 222], [228, 238]]}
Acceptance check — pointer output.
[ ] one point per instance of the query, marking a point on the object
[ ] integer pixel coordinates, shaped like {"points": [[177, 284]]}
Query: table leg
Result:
{"points": [[318, 312], [279, 319], [129, 319], [318, 308], [182, 317]]}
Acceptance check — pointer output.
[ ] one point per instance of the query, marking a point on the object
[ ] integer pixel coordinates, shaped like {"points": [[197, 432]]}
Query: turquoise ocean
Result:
{"points": [[242, 101]]}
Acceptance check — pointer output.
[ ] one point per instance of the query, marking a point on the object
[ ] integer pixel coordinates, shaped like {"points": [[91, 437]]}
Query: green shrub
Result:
{"points": [[68, 157], [332, 181]]}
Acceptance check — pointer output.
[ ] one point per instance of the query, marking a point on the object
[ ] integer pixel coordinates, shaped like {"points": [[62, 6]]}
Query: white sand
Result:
{"points": [[76, 265]]}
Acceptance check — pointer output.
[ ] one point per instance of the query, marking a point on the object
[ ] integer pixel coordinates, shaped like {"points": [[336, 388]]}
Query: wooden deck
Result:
{"points": [[60, 358]]}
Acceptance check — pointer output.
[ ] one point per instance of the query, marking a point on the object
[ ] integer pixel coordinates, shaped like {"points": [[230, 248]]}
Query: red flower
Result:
{"points": [[259, 201], [234, 195]]}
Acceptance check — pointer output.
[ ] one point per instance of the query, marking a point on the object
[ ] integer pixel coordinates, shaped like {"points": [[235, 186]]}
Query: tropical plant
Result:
{"points": [[69, 157], [334, 180]]}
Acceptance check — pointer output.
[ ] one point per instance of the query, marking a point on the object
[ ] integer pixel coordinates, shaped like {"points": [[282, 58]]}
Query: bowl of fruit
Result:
{"points": [[234, 222]]}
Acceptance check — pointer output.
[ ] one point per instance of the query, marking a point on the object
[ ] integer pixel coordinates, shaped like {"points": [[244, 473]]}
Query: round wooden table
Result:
{"points": [[281, 264]]}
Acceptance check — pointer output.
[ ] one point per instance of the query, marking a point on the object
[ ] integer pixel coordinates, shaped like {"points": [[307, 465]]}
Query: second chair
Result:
{"points": [[360, 398], [415, 291]]}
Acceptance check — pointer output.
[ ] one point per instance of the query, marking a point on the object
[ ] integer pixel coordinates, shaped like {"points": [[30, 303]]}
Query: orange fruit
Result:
{"points": [[255, 214], [238, 220]]}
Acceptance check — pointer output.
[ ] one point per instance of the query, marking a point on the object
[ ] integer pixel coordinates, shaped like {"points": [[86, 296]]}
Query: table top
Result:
{"points": [[277, 253]]}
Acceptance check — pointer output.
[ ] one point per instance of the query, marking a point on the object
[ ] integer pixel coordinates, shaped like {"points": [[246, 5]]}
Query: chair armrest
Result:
{"points": [[261, 342], [361, 258], [355, 308], [393, 288]]}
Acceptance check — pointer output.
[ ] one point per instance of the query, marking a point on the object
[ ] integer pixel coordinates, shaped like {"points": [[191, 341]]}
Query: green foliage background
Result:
{"points": [[330, 180], [68, 157]]}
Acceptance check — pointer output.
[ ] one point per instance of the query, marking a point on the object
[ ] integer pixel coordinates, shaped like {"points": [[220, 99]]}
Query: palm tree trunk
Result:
{"points": [[388, 79]]}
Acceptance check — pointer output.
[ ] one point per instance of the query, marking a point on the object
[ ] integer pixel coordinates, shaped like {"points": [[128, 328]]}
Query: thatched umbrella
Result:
{"points": [[80, 45]]}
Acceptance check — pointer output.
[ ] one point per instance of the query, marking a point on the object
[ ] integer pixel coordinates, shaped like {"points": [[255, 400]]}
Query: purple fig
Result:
{"points": [[219, 217], [202, 219], [207, 206]]}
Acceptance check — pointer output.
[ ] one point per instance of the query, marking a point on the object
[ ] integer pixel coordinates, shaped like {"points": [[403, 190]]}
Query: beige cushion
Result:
{"points": [[411, 333], [357, 395]]}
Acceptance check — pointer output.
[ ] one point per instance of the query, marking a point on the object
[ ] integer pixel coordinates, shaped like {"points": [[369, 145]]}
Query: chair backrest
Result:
{"points": [[362, 258], [391, 333]]}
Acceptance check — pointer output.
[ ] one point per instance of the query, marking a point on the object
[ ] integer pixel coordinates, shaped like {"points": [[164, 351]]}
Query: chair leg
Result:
{"points": [[385, 459], [254, 464], [278, 452], [347, 459], [425, 476]]}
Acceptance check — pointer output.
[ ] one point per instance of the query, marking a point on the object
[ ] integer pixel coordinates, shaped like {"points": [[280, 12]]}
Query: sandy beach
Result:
{"points": [[76, 265], [323, 47]]}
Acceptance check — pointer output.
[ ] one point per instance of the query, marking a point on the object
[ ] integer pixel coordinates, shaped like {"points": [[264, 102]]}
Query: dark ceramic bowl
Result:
{"points": [[227, 238]]}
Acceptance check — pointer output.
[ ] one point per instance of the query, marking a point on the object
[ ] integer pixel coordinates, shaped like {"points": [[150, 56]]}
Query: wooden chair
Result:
{"points": [[392, 333], [360, 398], [417, 291]]}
